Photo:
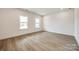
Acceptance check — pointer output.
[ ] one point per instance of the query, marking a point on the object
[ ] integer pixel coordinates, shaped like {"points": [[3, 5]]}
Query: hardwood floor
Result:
{"points": [[42, 41]]}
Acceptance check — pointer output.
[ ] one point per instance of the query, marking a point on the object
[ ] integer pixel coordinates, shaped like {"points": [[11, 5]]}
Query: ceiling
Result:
{"points": [[44, 11]]}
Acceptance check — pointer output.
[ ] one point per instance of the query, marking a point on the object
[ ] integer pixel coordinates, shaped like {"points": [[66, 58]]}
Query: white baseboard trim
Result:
{"points": [[77, 38], [13, 36], [61, 33]]}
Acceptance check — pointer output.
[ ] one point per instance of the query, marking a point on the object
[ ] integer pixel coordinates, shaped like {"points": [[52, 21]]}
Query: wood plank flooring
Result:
{"points": [[42, 41]]}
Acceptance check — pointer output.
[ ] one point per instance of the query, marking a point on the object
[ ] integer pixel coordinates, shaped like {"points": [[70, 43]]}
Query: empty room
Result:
{"points": [[39, 29]]}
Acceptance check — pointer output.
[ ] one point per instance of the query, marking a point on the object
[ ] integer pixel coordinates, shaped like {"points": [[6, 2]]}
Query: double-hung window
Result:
{"points": [[37, 23], [23, 22]]}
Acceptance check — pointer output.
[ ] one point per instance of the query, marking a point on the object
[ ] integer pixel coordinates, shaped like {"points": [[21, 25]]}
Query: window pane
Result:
{"points": [[23, 24], [23, 19], [23, 27], [37, 20], [37, 26]]}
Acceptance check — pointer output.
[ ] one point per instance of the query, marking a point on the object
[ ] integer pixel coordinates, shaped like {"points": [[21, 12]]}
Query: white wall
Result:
{"points": [[77, 25], [62, 22], [9, 22]]}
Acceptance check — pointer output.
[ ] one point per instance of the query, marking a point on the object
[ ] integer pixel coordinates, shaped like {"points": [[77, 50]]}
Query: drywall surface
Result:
{"points": [[62, 22], [10, 22]]}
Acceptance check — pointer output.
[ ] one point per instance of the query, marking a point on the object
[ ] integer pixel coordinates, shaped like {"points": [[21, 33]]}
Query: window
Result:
{"points": [[23, 22], [37, 23]]}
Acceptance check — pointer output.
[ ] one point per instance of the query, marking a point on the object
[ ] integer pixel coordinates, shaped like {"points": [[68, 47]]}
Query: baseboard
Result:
{"points": [[77, 39], [61, 33], [21, 35]]}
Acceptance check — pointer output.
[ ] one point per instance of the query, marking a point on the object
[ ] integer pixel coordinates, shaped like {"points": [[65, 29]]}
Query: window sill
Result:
{"points": [[23, 29]]}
